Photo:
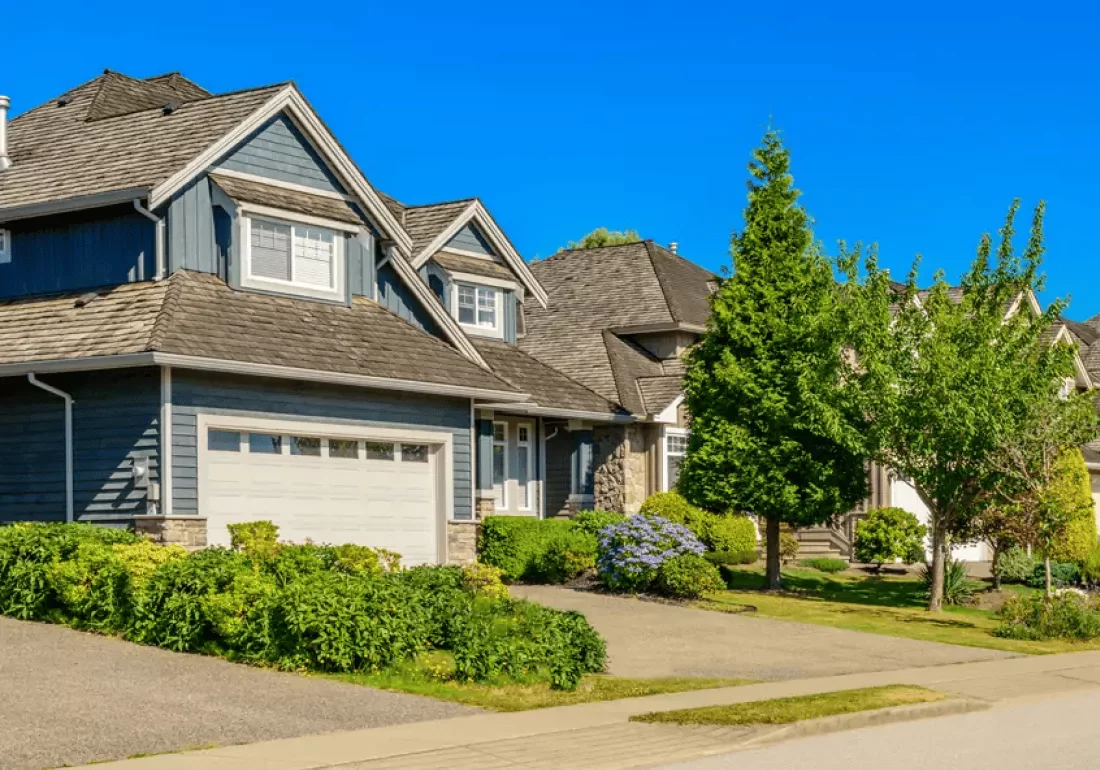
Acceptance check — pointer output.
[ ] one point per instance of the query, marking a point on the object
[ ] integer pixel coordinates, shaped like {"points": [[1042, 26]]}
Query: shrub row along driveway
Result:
{"points": [[652, 639], [72, 698]]}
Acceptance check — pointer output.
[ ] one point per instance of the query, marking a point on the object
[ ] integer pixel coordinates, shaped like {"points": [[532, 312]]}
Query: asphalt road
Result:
{"points": [[1057, 733], [69, 698], [646, 638]]}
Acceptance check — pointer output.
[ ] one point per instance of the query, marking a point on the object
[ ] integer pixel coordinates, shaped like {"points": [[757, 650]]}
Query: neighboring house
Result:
{"points": [[208, 314], [1087, 336], [618, 321]]}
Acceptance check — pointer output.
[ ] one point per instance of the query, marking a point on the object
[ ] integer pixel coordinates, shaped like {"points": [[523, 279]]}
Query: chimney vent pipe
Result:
{"points": [[5, 161]]}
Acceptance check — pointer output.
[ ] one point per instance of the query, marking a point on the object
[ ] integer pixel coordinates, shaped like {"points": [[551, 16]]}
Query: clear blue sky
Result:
{"points": [[913, 125]]}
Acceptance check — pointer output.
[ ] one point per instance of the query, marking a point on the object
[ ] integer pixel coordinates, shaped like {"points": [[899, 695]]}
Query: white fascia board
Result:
{"points": [[89, 364], [65, 205], [295, 105], [428, 300], [1083, 379], [568, 414], [477, 213], [99, 363], [672, 326], [333, 378]]}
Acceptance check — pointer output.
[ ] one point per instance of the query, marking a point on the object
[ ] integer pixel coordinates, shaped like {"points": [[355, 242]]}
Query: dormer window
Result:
{"points": [[293, 258], [479, 308], [5, 246]]}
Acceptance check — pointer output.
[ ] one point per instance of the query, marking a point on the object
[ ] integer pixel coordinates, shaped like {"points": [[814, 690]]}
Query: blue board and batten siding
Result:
{"points": [[396, 297], [192, 244], [469, 238], [195, 393], [83, 250], [116, 417], [278, 150]]}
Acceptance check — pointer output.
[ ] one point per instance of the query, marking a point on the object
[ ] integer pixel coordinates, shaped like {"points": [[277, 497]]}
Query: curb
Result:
{"points": [[886, 716]]}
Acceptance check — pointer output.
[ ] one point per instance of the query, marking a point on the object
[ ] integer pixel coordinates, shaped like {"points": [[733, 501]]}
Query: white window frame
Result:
{"points": [[336, 292], [497, 329], [500, 496], [528, 447], [666, 454], [5, 246]]}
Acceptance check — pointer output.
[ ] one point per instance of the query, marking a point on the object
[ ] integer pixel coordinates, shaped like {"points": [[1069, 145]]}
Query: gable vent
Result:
{"points": [[5, 161]]}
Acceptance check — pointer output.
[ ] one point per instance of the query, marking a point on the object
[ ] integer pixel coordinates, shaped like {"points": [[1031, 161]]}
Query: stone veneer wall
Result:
{"points": [[188, 531], [619, 456], [462, 542]]}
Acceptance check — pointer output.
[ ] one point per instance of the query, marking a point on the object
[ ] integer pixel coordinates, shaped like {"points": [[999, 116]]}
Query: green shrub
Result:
{"points": [[673, 507], [361, 560], [825, 564], [1062, 574], [957, 586], [484, 579], [27, 552], [335, 622], [1014, 565], [888, 534], [1072, 492], [594, 521], [295, 561], [1090, 568], [171, 611], [1067, 616], [731, 557], [91, 588], [567, 554], [518, 545], [730, 533], [258, 540], [687, 576]]}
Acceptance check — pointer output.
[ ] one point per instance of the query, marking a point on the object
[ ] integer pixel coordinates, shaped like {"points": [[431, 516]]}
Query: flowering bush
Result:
{"points": [[631, 553]]}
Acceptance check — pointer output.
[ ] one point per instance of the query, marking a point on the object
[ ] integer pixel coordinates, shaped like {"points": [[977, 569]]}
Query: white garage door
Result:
{"points": [[381, 492]]}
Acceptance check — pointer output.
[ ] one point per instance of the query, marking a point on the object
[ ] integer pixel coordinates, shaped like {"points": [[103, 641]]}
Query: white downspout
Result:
{"points": [[161, 267], [68, 440]]}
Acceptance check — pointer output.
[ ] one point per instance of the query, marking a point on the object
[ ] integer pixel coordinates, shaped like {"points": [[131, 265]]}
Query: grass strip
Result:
{"points": [[518, 696], [781, 711]]}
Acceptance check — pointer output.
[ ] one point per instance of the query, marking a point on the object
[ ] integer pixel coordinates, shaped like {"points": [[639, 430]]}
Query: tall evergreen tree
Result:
{"points": [[774, 431]]}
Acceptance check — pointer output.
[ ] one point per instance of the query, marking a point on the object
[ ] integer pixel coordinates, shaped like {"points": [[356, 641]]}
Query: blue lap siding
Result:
{"points": [[195, 393], [115, 419]]}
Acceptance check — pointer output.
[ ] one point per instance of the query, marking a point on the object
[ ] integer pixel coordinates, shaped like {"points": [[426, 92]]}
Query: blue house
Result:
{"points": [[208, 314]]}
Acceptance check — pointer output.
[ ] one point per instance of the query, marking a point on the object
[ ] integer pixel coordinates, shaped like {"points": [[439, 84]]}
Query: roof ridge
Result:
{"points": [[167, 309], [440, 203], [660, 283]]}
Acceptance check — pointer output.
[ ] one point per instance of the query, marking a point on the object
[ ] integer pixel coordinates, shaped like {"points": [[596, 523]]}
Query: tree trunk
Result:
{"points": [[775, 579], [1050, 591], [996, 577], [939, 549]]}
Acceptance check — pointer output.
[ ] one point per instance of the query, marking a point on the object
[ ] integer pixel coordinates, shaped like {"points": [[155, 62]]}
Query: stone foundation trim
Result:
{"points": [[188, 531]]}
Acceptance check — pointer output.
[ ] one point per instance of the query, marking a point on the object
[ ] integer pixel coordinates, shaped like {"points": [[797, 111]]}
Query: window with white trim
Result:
{"points": [[524, 452], [293, 257], [500, 464], [478, 307], [5, 246], [676, 444]]}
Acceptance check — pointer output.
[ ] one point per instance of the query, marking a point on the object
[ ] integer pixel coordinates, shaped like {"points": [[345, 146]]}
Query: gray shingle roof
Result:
{"points": [[547, 387], [659, 392], [297, 201], [86, 147], [196, 314], [425, 223], [593, 291]]}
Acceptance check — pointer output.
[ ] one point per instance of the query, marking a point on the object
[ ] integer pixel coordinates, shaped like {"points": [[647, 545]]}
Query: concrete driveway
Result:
{"points": [[70, 698], [647, 638]]}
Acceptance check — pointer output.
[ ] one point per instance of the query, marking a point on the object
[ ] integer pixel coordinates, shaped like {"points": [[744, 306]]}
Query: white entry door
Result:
{"points": [[327, 486]]}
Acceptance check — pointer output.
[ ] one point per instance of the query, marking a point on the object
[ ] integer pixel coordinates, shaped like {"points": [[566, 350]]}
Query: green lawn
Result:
{"points": [[892, 605], [518, 696], [781, 711]]}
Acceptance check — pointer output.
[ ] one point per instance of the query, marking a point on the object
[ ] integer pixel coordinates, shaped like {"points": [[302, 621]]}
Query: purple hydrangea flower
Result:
{"points": [[630, 553]]}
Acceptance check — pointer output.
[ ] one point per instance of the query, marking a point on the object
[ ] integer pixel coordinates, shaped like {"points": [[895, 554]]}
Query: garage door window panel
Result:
{"points": [[377, 450], [265, 444], [343, 449], [223, 441], [305, 446], [414, 453]]}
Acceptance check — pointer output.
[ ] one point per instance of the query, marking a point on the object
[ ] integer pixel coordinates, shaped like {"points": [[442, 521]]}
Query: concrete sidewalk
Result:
{"points": [[600, 736]]}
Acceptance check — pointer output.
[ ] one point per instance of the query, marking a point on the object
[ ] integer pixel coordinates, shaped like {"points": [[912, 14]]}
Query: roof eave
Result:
{"points": [[78, 203]]}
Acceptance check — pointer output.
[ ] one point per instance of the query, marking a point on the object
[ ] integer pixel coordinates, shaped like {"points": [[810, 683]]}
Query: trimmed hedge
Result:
{"points": [[825, 564], [309, 607], [536, 550], [687, 576], [732, 532]]}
